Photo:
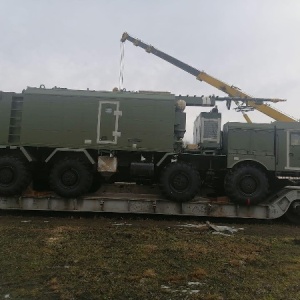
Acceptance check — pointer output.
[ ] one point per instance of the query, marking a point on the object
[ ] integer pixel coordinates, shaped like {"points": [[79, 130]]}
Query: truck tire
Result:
{"points": [[180, 182], [15, 175], [71, 177], [246, 185]]}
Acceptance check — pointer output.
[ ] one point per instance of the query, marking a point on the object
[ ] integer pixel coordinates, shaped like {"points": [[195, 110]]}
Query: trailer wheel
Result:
{"points": [[15, 175], [293, 213], [246, 185], [96, 183], [70, 177], [180, 182]]}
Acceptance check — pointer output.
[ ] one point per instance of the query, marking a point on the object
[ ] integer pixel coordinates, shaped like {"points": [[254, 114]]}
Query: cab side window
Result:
{"points": [[295, 138]]}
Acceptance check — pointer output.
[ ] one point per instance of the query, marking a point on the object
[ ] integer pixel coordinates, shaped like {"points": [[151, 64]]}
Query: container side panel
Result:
{"points": [[147, 124], [144, 124], [56, 121], [5, 112]]}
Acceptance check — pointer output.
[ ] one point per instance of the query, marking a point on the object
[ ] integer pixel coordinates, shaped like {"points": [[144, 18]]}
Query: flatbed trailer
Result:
{"points": [[138, 200]]}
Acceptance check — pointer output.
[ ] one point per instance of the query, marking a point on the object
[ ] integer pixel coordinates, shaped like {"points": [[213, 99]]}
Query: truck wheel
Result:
{"points": [[293, 213], [70, 177], [180, 182], [15, 175], [246, 185]]}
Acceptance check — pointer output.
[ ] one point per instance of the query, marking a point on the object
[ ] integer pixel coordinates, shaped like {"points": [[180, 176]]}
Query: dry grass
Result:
{"points": [[62, 258], [198, 274]]}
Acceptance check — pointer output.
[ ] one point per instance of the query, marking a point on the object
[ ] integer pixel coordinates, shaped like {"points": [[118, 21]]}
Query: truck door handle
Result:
{"points": [[291, 154], [134, 140]]}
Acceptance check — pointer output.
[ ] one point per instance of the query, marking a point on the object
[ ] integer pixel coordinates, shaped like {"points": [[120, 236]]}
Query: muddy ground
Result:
{"points": [[47, 256]]}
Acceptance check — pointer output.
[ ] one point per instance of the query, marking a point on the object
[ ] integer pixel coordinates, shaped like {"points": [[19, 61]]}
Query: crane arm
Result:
{"points": [[150, 49], [235, 92], [202, 76]]}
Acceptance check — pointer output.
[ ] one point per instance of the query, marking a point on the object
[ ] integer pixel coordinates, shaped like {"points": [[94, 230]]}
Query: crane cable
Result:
{"points": [[121, 75]]}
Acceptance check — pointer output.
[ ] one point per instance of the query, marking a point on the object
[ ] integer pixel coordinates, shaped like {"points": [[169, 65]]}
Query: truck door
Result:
{"points": [[108, 122], [293, 150]]}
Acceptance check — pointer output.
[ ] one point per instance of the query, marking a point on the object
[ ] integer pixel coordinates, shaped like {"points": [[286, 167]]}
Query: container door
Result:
{"points": [[108, 122], [293, 150]]}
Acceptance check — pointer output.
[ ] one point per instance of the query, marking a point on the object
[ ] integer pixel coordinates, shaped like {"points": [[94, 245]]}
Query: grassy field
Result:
{"points": [[44, 257]]}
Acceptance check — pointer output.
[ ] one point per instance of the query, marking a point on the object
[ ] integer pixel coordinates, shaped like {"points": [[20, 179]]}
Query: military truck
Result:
{"points": [[77, 140]]}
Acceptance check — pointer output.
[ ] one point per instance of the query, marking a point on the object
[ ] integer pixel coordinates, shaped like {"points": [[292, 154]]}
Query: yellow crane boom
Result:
{"points": [[230, 90], [235, 92]]}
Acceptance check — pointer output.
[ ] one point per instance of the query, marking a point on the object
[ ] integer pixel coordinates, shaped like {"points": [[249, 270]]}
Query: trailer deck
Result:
{"points": [[131, 200]]}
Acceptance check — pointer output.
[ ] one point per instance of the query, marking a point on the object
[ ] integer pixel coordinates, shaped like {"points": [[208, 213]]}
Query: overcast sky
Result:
{"points": [[252, 44]]}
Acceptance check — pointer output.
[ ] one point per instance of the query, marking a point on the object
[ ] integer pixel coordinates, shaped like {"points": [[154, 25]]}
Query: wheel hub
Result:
{"points": [[293, 213], [180, 182], [69, 177], [296, 207], [6, 175], [248, 185]]}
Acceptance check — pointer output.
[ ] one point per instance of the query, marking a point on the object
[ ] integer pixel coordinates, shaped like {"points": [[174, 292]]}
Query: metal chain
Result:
{"points": [[121, 77]]}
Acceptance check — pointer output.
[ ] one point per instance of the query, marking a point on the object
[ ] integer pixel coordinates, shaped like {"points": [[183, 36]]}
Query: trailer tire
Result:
{"points": [[246, 184], [180, 182], [96, 183], [293, 213], [15, 175], [71, 177]]}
